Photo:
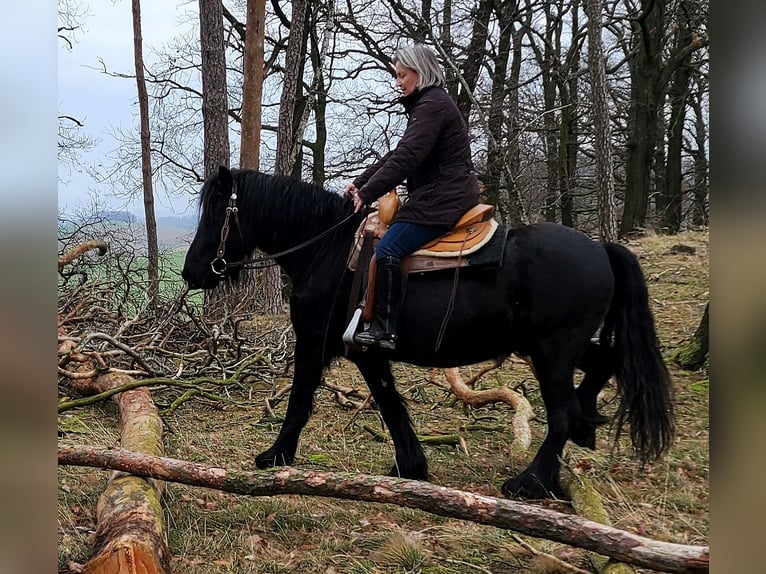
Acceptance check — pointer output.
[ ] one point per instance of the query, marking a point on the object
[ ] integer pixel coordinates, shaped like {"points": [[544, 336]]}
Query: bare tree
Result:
{"points": [[216, 126], [650, 71], [215, 106], [146, 160], [252, 85], [607, 218]]}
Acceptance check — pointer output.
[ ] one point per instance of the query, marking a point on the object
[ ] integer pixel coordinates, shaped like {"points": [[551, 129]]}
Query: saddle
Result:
{"points": [[474, 230]]}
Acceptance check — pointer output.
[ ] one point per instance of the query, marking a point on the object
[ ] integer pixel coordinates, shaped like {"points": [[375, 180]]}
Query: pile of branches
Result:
{"points": [[106, 324]]}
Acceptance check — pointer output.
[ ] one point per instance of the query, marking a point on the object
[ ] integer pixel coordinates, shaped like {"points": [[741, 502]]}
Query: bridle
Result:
{"points": [[219, 264]]}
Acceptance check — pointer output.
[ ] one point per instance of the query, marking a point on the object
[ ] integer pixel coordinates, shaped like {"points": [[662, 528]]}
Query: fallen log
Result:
{"points": [[587, 503], [520, 517], [130, 535]]}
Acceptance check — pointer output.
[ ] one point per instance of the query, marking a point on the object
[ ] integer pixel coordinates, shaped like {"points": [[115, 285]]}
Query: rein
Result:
{"points": [[219, 264]]}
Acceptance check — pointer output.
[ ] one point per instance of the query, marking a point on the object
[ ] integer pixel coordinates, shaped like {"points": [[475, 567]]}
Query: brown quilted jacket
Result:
{"points": [[434, 157]]}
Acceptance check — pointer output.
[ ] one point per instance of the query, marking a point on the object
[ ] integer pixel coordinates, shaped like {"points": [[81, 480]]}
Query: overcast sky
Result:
{"points": [[104, 103]]}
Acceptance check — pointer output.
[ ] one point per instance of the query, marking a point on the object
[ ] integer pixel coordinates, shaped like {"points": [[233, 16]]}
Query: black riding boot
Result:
{"points": [[388, 294]]}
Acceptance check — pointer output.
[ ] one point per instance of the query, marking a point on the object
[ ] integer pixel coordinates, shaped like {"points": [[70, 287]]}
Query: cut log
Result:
{"points": [[130, 534], [520, 517]]}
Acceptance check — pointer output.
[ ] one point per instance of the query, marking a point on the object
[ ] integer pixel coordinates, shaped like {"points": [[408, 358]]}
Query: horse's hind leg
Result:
{"points": [[541, 478], [598, 364], [308, 375], [410, 461]]}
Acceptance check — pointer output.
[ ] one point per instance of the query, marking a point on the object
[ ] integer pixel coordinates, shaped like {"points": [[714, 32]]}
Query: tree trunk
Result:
{"points": [[496, 124], [250, 139], [672, 193], [607, 211], [568, 144], [645, 73], [550, 66], [440, 500], [292, 84], [252, 85], [700, 193], [215, 107], [472, 65], [152, 248], [221, 301], [693, 354], [130, 537]]}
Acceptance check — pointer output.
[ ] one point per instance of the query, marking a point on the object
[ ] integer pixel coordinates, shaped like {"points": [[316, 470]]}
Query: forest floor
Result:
{"points": [[214, 532]]}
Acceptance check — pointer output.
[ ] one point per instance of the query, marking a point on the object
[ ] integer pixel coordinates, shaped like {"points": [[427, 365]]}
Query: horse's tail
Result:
{"points": [[644, 385]]}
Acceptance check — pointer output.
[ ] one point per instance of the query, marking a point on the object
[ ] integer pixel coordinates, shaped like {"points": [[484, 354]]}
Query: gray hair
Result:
{"points": [[423, 60]]}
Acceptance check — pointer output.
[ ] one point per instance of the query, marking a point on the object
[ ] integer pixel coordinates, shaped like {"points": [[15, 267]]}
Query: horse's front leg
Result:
{"points": [[409, 461], [308, 375]]}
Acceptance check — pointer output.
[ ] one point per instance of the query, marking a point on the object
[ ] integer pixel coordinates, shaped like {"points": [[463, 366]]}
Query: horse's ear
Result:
{"points": [[225, 180]]}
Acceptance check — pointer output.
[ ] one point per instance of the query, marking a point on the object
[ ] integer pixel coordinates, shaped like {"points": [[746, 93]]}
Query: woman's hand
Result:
{"points": [[352, 192]]}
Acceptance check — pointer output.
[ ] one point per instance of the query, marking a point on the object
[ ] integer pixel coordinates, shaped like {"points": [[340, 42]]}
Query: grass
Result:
{"points": [[216, 533]]}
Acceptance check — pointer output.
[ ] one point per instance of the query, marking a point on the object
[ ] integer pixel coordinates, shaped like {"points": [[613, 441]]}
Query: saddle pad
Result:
{"points": [[489, 256], [460, 242]]}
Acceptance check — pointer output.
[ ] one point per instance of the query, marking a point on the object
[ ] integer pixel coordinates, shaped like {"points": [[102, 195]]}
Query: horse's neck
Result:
{"points": [[295, 222]]}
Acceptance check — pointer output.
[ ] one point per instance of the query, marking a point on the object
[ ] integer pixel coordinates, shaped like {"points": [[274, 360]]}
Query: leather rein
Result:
{"points": [[219, 265]]}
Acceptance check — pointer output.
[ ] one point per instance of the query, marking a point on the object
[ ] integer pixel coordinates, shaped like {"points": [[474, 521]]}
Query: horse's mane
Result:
{"points": [[289, 206]]}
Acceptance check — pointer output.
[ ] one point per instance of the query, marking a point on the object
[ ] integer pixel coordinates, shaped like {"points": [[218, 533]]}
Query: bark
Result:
{"points": [[550, 66], [607, 211], [130, 536], [443, 501], [645, 93], [223, 300], [569, 144], [700, 193], [252, 89], [152, 247], [672, 193], [246, 291], [215, 107], [292, 85]]}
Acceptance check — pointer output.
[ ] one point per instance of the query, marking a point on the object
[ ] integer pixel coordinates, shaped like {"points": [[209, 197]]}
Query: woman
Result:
{"points": [[434, 156]]}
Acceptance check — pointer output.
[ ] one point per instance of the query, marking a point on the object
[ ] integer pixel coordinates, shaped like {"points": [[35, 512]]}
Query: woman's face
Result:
{"points": [[406, 79]]}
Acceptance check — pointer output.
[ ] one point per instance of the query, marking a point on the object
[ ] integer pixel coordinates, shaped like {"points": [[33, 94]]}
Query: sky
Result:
{"points": [[104, 103]]}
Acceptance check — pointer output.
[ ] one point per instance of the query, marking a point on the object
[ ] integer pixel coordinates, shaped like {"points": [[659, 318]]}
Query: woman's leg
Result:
{"points": [[401, 239]]}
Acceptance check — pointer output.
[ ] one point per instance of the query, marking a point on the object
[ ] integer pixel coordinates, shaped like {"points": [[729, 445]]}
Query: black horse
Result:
{"points": [[545, 302]]}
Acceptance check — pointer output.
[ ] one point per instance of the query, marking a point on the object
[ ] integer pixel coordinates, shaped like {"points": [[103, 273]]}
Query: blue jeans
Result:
{"points": [[404, 238]]}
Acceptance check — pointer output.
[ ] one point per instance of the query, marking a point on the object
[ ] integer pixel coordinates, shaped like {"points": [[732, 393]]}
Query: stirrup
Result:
{"points": [[370, 338]]}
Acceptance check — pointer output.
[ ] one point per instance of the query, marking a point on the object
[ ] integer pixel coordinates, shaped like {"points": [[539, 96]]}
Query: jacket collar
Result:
{"points": [[410, 100]]}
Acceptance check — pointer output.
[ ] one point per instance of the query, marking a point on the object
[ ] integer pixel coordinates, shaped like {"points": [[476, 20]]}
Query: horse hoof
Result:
{"points": [[527, 487], [271, 459]]}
